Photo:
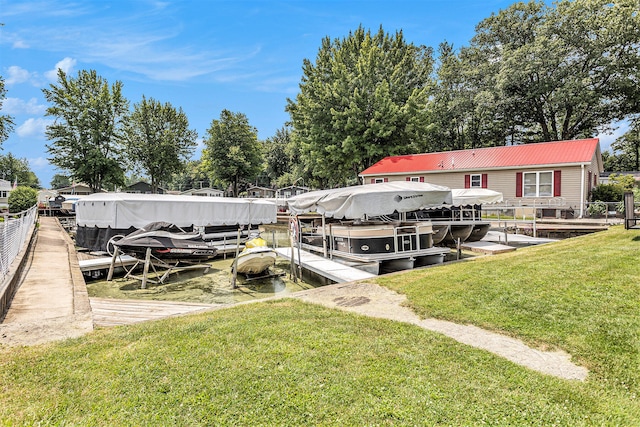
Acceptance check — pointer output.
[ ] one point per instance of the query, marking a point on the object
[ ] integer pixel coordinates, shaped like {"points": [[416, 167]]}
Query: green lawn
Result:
{"points": [[289, 363]]}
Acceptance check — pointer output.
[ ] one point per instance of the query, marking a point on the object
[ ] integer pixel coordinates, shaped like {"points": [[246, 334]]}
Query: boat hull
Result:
{"points": [[255, 260]]}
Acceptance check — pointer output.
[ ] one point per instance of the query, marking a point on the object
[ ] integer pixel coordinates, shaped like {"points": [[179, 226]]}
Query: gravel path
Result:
{"points": [[377, 301]]}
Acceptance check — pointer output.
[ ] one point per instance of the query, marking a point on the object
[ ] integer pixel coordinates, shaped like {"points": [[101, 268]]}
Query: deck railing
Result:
{"points": [[14, 233]]}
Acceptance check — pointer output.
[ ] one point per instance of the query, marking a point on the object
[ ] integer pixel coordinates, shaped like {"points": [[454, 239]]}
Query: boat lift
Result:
{"points": [[150, 261]]}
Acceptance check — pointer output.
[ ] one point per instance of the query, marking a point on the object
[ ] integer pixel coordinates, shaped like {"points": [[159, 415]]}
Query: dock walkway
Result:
{"points": [[335, 271], [51, 300]]}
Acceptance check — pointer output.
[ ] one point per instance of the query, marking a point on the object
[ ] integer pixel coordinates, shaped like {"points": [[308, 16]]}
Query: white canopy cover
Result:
{"points": [[475, 196], [124, 210], [371, 199]]}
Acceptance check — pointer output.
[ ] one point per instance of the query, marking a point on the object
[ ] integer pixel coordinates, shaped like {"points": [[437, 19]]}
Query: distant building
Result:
{"points": [[5, 190], [79, 189], [261, 192], [204, 192], [142, 187], [292, 190], [555, 176]]}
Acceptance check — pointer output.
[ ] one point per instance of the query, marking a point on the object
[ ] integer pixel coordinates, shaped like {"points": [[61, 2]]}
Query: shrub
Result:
{"points": [[607, 193], [22, 198], [597, 208]]}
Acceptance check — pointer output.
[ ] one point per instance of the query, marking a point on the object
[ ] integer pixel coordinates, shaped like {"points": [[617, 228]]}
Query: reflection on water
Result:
{"points": [[214, 286]]}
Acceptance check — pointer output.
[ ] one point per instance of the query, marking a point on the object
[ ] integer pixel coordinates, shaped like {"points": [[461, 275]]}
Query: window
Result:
{"points": [[3, 194], [537, 184], [476, 181], [378, 180], [415, 179]]}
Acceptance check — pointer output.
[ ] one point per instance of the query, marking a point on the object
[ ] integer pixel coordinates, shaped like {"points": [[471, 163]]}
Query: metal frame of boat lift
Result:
{"points": [[153, 262]]}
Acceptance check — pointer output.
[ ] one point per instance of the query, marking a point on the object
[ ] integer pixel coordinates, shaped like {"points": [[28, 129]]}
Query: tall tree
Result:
{"points": [[233, 153], [364, 98], [17, 170], [6, 121], [629, 145], [86, 136], [60, 181], [277, 160], [564, 71], [158, 140]]}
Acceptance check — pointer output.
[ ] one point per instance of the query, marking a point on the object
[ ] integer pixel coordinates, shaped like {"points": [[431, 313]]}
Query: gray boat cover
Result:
{"points": [[474, 196], [371, 200], [124, 210]]}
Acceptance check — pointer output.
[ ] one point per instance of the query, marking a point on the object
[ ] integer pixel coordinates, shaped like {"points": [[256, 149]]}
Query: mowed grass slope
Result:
{"points": [[290, 363]]}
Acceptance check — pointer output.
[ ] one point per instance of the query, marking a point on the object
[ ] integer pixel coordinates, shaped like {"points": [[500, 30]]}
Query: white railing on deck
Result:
{"points": [[14, 232]]}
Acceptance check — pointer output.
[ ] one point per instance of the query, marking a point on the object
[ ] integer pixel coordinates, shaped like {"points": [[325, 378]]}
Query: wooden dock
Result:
{"points": [[115, 312], [332, 270], [103, 263]]}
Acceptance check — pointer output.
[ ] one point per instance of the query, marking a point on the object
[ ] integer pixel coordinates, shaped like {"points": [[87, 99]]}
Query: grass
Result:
{"points": [[289, 363]]}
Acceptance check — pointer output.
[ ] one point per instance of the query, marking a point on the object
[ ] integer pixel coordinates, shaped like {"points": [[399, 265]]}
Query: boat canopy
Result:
{"points": [[371, 200], [474, 196], [125, 210]]}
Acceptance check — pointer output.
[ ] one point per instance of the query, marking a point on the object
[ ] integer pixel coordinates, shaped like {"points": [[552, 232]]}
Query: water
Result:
{"points": [[214, 286]]}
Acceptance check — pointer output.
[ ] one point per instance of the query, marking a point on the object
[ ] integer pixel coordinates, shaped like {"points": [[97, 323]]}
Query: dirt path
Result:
{"points": [[377, 301]]}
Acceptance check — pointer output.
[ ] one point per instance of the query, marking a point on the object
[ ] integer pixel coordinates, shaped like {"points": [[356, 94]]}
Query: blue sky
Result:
{"points": [[201, 55]]}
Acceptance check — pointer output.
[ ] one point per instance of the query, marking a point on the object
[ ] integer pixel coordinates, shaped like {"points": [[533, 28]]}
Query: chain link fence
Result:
{"points": [[14, 232]]}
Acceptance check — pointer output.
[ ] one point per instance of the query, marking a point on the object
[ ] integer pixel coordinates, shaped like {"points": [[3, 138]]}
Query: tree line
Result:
{"points": [[532, 72]]}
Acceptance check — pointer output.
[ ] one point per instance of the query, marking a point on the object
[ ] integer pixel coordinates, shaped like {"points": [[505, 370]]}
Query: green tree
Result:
{"points": [[629, 145], [22, 198], [364, 98], [564, 71], [277, 160], [193, 176], [87, 134], [6, 121], [14, 169], [158, 140], [60, 181], [233, 153]]}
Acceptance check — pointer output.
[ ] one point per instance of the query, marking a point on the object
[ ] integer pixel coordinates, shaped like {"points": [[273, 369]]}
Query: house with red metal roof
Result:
{"points": [[555, 176]]}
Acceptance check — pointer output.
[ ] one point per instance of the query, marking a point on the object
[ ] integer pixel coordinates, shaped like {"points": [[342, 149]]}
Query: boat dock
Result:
{"points": [[332, 270]]}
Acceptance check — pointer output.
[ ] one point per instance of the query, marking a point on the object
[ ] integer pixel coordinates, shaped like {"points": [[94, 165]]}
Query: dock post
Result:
{"points": [[113, 263], [292, 240], [234, 266], [147, 261], [299, 244]]}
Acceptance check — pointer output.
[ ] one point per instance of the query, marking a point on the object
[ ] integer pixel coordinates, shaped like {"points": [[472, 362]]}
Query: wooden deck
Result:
{"points": [[115, 312], [332, 270]]}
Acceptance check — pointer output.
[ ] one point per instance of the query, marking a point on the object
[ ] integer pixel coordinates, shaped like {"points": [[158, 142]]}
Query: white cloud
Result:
{"points": [[16, 75], [38, 162], [20, 44], [33, 127], [19, 106], [65, 65]]}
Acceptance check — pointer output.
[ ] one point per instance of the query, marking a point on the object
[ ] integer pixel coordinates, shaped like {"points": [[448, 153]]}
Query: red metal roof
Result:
{"points": [[543, 153]]}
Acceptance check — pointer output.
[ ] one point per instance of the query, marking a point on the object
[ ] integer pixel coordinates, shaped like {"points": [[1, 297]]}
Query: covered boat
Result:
{"points": [[166, 241], [256, 257], [360, 229], [101, 216], [461, 220]]}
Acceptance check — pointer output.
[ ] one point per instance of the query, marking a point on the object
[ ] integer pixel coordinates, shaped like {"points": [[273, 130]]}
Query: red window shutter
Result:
{"points": [[485, 179], [422, 179], [373, 180], [467, 181], [556, 183], [386, 180], [518, 184], [408, 178]]}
